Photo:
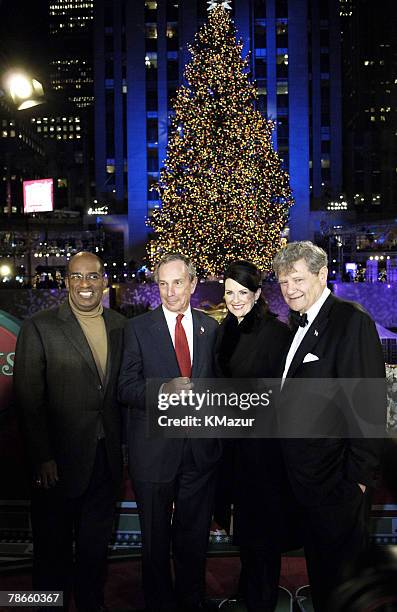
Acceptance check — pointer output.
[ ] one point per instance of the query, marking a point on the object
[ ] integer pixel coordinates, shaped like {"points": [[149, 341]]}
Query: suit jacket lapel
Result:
{"points": [[75, 335], [312, 336], [197, 343], [111, 347], [163, 344]]}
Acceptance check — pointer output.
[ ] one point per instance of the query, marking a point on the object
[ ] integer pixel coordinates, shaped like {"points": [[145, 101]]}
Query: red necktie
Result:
{"points": [[182, 348]]}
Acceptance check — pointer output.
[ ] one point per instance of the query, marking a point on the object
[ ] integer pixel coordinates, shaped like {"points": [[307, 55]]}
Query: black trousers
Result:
{"points": [[260, 574], [87, 520], [176, 513], [335, 535]]}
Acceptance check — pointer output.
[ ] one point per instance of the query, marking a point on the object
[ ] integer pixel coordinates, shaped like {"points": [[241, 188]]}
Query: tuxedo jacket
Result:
{"points": [[61, 399], [149, 354], [341, 343]]}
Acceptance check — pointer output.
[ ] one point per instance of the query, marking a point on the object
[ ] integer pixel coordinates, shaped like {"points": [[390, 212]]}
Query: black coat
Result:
{"points": [[254, 349], [61, 399], [346, 344]]}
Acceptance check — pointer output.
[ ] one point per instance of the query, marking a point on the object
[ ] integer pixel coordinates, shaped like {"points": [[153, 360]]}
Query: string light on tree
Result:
{"points": [[224, 194]]}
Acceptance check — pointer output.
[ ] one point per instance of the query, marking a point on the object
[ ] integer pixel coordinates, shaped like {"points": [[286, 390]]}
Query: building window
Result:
{"points": [[151, 30], [151, 100], [172, 30], [108, 44], [282, 88], [324, 62], [109, 69], [260, 68], [172, 10], [152, 160], [281, 9], [282, 65], [151, 192], [152, 130], [260, 36], [171, 95], [172, 70], [282, 34], [325, 146], [259, 9]]}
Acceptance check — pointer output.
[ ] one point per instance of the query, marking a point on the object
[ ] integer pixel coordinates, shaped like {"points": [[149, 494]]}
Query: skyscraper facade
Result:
{"points": [[71, 63], [140, 54], [370, 109]]}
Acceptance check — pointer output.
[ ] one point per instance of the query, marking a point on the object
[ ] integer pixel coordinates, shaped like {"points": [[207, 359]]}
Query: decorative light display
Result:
{"points": [[224, 194]]}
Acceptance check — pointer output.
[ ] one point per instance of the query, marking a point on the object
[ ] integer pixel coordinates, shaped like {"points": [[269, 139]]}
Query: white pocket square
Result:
{"points": [[310, 357]]}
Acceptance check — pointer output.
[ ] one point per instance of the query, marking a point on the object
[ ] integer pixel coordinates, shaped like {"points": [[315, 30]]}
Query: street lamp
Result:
{"points": [[5, 272], [24, 91], [20, 91]]}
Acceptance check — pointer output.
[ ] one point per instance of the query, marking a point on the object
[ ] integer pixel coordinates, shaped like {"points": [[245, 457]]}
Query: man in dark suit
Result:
{"points": [[173, 479], [66, 368], [331, 470]]}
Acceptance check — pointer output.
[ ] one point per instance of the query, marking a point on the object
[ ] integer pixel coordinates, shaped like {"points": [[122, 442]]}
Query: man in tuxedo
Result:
{"points": [[331, 473], [66, 369], [173, 479]]}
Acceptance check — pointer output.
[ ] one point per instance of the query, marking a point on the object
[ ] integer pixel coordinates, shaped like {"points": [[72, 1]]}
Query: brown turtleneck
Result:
{"points": [[94, 330]]}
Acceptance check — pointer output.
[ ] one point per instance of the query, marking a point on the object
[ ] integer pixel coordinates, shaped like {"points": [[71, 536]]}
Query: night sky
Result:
{"points": [[24, 36]]}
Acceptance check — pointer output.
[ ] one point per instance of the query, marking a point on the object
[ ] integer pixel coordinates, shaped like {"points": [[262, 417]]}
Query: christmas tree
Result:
{"points": [[224, 194]]}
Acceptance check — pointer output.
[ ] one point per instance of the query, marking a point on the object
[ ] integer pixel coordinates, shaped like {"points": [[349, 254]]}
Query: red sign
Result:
{"points": [[9, 328], [38, 196]]}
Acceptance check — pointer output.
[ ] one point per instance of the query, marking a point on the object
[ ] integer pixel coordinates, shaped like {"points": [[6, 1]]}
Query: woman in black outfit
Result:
{"points": [[251, 343]]}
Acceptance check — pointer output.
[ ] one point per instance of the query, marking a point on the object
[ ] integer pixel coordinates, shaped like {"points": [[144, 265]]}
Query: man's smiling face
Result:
{"points": [[300, 287], [85, 281]]}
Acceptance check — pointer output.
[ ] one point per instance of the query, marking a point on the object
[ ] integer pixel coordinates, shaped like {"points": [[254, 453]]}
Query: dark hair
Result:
{"points": [[248, 275], [245, 273], [80, 254]]}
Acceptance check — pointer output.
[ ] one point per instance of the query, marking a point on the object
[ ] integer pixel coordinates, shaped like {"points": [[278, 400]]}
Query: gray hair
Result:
{"points": [[168, 257], [314, 256]]}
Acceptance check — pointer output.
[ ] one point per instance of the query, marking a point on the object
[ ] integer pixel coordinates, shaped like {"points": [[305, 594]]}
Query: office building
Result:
{"points": [[71, 61], [370, 110], [140, 53]]}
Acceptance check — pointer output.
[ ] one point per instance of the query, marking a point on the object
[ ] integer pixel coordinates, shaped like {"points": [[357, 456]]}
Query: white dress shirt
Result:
{"points": [[302, 331], [187, 323]]}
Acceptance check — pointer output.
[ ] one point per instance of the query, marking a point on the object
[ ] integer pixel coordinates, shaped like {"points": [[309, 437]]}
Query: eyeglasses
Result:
{"points": [[91, 276]]}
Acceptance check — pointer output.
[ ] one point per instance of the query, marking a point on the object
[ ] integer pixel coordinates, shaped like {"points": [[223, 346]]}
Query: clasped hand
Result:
{"points": [[177, 385], [46, 475]]}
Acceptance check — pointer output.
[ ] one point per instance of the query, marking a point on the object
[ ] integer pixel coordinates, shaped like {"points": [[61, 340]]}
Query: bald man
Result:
{"points": [[66, 368]]}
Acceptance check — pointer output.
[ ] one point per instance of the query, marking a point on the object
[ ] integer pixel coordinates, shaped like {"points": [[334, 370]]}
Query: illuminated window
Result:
{"points": [[282, 88], [151, 31], [172, 30]]}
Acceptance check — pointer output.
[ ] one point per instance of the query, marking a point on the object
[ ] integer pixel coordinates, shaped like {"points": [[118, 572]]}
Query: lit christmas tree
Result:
{"points": [[224, 194]]}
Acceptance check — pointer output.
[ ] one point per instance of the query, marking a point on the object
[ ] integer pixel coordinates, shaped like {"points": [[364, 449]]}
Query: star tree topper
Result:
{"points": [[214, 3]]}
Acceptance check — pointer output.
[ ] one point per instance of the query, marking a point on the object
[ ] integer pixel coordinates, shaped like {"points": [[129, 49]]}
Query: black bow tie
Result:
{"points": [[297, 319]]}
